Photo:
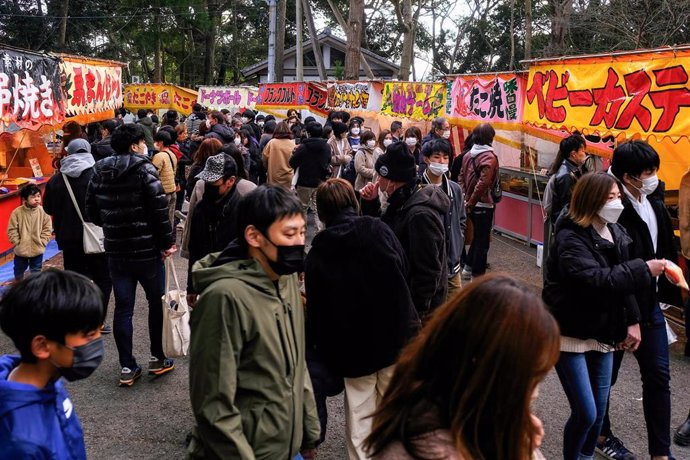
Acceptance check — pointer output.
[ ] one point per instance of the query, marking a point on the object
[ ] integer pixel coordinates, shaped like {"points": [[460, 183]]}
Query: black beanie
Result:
{"points": [[397, 164], [249, 114]]}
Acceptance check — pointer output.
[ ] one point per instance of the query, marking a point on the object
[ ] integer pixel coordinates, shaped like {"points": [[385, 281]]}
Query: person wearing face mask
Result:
{"points": [[247, 352], [413, 140], [440, 129], [566, 169], [437, 154], [248, 117], [645, 218], [166, 164], [54, 319], [355, 130], [591, 288], [126, 188], [416, 214], [341, 150], [364, 160]]}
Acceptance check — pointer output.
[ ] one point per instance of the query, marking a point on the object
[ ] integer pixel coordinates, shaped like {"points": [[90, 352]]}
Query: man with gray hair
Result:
{"points": [[440, 129]]}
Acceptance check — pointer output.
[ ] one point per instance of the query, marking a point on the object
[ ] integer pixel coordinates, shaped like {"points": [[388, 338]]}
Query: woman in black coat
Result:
{"points": [[590, 289]]}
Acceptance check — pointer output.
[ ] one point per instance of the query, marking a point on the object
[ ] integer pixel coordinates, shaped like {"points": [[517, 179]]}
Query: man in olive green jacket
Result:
{"points": [[250, 390]]}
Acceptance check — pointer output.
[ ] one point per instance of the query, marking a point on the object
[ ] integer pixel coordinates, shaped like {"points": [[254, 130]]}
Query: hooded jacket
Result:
{"points": [[222, 132], [102, 149], [417, 216], [37, 423], [358, 327], [591, 283], [29, 230], [78, 168], [313, 158], [250, 390], [364, 165], [477, 187], [147, 124], [126, 198]]}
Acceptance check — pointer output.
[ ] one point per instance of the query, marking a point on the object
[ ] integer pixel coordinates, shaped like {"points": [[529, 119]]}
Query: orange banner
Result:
{"points": [[92, 89], [159, 96]]}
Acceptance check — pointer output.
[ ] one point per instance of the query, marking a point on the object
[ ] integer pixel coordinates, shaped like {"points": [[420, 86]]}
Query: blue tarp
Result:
{"points": [[7, 269]]}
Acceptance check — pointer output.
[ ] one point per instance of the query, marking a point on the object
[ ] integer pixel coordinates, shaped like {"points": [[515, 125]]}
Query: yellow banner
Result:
{"points": [[634, 95], [159, 96], [419, 101]]}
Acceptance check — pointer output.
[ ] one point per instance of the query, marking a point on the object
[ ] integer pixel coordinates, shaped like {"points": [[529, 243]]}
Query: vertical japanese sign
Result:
{"points": [[160, 96], [420, 101], [29, 90], [644, 94], [226, 97], [495, 98], [92, 91], [354, 95]]}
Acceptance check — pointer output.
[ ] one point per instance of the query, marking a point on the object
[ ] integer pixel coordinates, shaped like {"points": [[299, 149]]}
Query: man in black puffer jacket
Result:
{"points": [[126, 198]]}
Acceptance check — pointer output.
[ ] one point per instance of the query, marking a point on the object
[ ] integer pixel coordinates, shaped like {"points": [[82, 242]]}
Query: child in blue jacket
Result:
{"points": [[54, 319]]}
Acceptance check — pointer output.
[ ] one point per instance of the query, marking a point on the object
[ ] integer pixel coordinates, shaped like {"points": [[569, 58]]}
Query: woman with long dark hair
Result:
{"points": [[463, 388]]}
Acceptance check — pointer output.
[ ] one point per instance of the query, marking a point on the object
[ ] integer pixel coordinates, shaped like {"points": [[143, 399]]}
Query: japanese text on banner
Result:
{"points": [[639, 96], [29, 90], [293, 95], [421, 101], [488, 98], [225, 97], [160, 96], [349, 95], [91, 88]]}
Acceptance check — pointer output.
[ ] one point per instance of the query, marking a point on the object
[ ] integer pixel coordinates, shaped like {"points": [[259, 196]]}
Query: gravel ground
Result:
{"points": [[150, 420]]}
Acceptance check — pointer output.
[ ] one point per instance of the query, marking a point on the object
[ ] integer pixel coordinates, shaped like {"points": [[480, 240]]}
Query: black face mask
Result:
{"points": [[211, 192], [290, 259], [86, 358]]}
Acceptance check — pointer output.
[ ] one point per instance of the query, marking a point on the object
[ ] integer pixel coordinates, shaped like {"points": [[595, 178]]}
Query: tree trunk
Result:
{"points": [[559, 25], [280, 40], [157, 64], [511, 66], [213, 10], [62, 33], [408, 27], [528, 29], [343, 25], [354, 40]]}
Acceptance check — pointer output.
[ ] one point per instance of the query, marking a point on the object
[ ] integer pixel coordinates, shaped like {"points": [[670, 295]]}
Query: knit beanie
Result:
{"points": [[397, 164]]}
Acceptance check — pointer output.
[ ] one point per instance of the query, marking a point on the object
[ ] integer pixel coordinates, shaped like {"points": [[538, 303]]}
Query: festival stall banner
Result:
{"points": [[228, 97], [30, 94], [309, 96], [160, 96], [419, 101], [355, 95], [497, 99], [92, 89]]}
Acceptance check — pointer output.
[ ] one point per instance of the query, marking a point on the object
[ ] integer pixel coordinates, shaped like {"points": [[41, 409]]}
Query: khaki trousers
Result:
{"points": [[454, 285], [362, 397]]}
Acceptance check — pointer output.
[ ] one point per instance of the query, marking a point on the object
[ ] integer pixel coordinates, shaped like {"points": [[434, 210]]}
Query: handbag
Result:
{"points": [[176, 330], [92, 233]]}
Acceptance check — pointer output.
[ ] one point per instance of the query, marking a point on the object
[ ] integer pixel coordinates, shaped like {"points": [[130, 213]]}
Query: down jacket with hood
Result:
{"points": [[222, 132], [147, 124], [251, 393], [417, 216], [591, 283], [37, 423], [126, 198]]}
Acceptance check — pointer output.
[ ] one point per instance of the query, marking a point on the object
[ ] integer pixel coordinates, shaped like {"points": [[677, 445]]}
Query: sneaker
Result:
{"points": [[106, 329], [160, 366], [465, 275], [128, 376], [614, 449]]}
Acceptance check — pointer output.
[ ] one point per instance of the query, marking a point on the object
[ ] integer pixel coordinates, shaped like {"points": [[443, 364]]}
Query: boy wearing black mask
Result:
{"points": [[54, 319], [250, 390]]}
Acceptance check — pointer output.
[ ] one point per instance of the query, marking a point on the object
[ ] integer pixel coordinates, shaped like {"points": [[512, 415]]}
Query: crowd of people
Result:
{"points": [[391, 305]]}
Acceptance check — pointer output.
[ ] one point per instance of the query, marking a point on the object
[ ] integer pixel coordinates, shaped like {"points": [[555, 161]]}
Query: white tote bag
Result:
{"points": [[93, 234], [176, 331]]}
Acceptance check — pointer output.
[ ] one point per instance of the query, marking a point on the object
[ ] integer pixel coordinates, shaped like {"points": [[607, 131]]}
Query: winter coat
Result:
{"points": [[254, 130], [37, 423], [147, 124], [339, 158], [29, 230], [591, 283], [69, 231], [560, 188], [222, 132], [102, 149], [417, 216], [477, 188], [364, 165], [643, 248], [126, 198], [359, 309], [194, 121], [165, 162], [276, 157], [313, 158], [251, 393]]}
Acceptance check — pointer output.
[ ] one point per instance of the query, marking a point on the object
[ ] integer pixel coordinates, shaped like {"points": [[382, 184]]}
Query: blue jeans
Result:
{"points": [[125, 275], [586, 380], [652, 357], [482, 220], [34, 265]]}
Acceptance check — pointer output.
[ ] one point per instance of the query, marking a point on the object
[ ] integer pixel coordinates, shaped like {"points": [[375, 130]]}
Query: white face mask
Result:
{"points": [[438, 169], [371, 144], [446, 134], [261, 124], [355, 131], [387, 142], [208, 123], [411, 141], [245, 120], [611, 211], [648, 185], [238, 141]]}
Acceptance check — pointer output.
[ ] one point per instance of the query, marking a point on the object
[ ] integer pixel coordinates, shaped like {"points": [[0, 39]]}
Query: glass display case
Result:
{"points": [[520, 213]]}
